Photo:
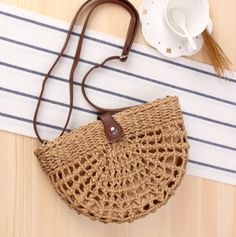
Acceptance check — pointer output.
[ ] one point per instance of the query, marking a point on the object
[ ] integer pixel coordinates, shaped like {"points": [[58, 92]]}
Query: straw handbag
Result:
{"points": [[128, 162]]}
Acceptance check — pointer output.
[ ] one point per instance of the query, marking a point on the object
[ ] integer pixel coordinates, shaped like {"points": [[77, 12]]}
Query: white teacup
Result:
{"points": [[196, 13]]}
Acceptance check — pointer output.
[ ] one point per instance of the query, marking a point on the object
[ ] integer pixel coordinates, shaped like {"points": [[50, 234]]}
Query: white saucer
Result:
{"points": [[158, 34]]}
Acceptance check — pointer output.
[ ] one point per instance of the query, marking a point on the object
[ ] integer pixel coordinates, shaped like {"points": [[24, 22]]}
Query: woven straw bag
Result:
{"points": [[129, 162]]}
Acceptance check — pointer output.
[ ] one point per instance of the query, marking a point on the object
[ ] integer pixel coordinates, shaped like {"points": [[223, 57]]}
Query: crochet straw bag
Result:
{"points": [[129, 162]]}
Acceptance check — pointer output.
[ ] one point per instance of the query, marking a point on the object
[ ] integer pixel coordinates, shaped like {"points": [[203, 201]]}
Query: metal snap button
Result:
{"points": [[113, 130]]}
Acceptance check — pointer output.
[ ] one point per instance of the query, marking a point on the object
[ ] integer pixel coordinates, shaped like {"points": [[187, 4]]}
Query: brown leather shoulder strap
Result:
{"points": [[91, 5]]}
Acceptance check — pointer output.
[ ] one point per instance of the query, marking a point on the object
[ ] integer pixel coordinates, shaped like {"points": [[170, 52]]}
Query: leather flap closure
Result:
{"points": [[112, 129]]}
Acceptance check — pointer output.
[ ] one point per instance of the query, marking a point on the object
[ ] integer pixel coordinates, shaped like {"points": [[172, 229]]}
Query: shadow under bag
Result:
{"points": [[128, 162]]}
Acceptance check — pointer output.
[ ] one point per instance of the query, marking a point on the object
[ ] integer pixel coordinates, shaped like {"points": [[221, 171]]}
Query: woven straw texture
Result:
{"points": [[124, 180]]}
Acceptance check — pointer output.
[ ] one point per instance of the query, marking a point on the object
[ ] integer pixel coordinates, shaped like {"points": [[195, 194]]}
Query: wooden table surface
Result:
{"points": [[29, 207]]}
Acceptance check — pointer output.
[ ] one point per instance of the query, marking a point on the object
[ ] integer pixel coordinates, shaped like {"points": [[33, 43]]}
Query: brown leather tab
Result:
{"points": [[112, 129]]}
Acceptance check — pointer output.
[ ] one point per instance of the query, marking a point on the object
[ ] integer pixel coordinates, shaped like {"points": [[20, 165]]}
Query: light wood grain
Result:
{"points": [[29, 207]]}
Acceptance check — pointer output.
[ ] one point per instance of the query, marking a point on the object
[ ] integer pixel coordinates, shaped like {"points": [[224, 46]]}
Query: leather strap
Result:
{"points": [[91, 5]]}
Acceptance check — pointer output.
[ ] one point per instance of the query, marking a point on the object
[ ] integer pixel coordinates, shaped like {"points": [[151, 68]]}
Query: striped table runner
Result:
{"points": [[29, 43]]}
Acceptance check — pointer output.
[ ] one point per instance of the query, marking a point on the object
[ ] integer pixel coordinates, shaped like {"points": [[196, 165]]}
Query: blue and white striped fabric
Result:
{"points": [[29, 44]]}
